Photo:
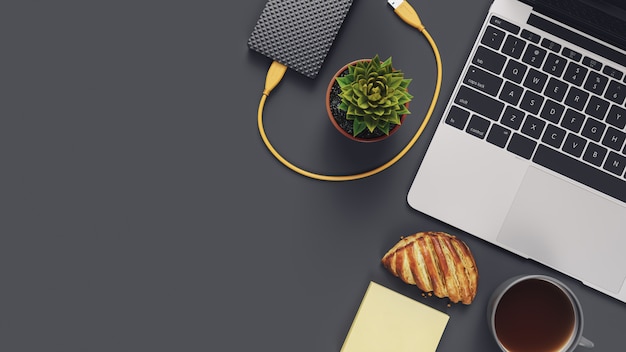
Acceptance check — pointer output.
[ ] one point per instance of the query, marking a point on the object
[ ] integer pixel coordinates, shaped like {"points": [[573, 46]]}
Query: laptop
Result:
{"points": [[530, 153]]}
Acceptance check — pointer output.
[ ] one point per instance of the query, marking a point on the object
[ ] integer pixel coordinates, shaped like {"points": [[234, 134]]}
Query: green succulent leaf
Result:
{"points": [[363, 102], [370, 122], [394, 117], [403, 100], [344, 81], [402, 111], [358, 126], [384, 127], [378, 112], [387, 62]]}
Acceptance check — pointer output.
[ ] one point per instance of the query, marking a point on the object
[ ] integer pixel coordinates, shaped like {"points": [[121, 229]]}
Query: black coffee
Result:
{"points": [[535, 316]]}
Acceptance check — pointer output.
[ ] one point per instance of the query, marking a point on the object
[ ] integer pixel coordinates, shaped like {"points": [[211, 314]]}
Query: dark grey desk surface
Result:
{"points": [[141, 211]]}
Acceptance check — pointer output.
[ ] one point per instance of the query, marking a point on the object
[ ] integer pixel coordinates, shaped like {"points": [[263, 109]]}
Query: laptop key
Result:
{"points": [[597, 107], [552, 111], [615, 163], [530, 36], [616, 92], [571, 54], [614, 139], [575, 74], [489, 59], [591, 63], [522, 146], [556, 89], [513, 46], [498, 135], [594, 154], [515, 71], [546, 43], [581, 172], [554, 136], [574, 145], [479, 103], [612, 72], [576, 98], [554, 65], [533, 127], [478, 126], [535, 80], [457, 117], [512, 118], [508, 26], [511, 93], [596, 83], [493, 37], [531, 102], [617, 117], [483, 80], [573, 120], [534, 55], [593, 129]]}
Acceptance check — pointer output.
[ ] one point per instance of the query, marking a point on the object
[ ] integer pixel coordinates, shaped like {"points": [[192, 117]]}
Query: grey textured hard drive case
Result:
{"points": [[299, 33]]}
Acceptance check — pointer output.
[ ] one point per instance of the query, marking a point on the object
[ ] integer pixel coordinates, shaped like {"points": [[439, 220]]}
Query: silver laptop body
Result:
{"points": [[530, 152]]}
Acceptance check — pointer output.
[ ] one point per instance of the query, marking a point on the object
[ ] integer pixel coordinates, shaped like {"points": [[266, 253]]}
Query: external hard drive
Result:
{"points": [[299, 33]]}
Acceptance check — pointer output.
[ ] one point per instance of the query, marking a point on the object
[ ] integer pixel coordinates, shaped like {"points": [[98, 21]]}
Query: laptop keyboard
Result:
{"points": [[547, 103]]}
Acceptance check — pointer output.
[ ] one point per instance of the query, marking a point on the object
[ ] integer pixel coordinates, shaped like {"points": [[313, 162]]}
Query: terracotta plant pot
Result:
{"points": [[338, 117]]}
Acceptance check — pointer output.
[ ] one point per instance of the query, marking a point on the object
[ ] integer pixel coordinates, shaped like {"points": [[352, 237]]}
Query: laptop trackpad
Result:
{"points": [[569, 229]]}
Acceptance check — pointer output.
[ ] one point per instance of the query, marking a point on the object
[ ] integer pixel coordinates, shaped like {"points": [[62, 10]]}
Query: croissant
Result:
{"points": [[435, 262]]}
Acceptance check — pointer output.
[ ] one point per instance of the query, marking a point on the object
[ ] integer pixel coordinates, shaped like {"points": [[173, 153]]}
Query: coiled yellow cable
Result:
{"points": [[277, 70]]}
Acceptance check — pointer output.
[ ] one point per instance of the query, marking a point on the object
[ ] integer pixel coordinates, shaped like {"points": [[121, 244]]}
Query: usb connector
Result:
{"points": [[407, 13], [274, 76], [395, 3]]}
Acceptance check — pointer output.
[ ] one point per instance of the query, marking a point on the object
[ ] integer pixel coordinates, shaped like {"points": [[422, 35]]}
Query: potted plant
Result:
{"points": [[367, 100]]}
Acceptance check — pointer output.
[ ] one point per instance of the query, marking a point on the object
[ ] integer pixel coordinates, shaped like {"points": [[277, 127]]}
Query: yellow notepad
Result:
{"points": [[389, 321]]}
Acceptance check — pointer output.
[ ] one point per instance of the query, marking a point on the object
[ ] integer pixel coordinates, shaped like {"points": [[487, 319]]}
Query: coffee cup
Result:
{"points": [[536, 313]]}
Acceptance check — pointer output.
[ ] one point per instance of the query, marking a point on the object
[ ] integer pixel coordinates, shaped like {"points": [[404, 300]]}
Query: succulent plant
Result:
{"points": [[374, 95]]}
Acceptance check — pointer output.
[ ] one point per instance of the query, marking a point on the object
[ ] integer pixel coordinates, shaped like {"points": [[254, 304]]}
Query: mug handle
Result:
{"points": [[585, 342]]}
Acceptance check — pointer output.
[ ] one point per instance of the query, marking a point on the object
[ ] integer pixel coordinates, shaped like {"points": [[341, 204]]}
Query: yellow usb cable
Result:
{"points": [[277, 70]]}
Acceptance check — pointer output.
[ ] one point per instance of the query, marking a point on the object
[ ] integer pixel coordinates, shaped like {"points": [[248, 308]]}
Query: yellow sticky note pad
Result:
{"points": [[389, 321]]}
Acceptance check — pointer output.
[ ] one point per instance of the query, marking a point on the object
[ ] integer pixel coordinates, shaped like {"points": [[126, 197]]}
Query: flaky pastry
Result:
{"points": [[435, 262]]}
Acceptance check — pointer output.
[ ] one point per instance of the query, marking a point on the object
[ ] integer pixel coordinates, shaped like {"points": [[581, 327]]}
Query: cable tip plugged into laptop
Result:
{"points": [[395, 3], [407, 13]]}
